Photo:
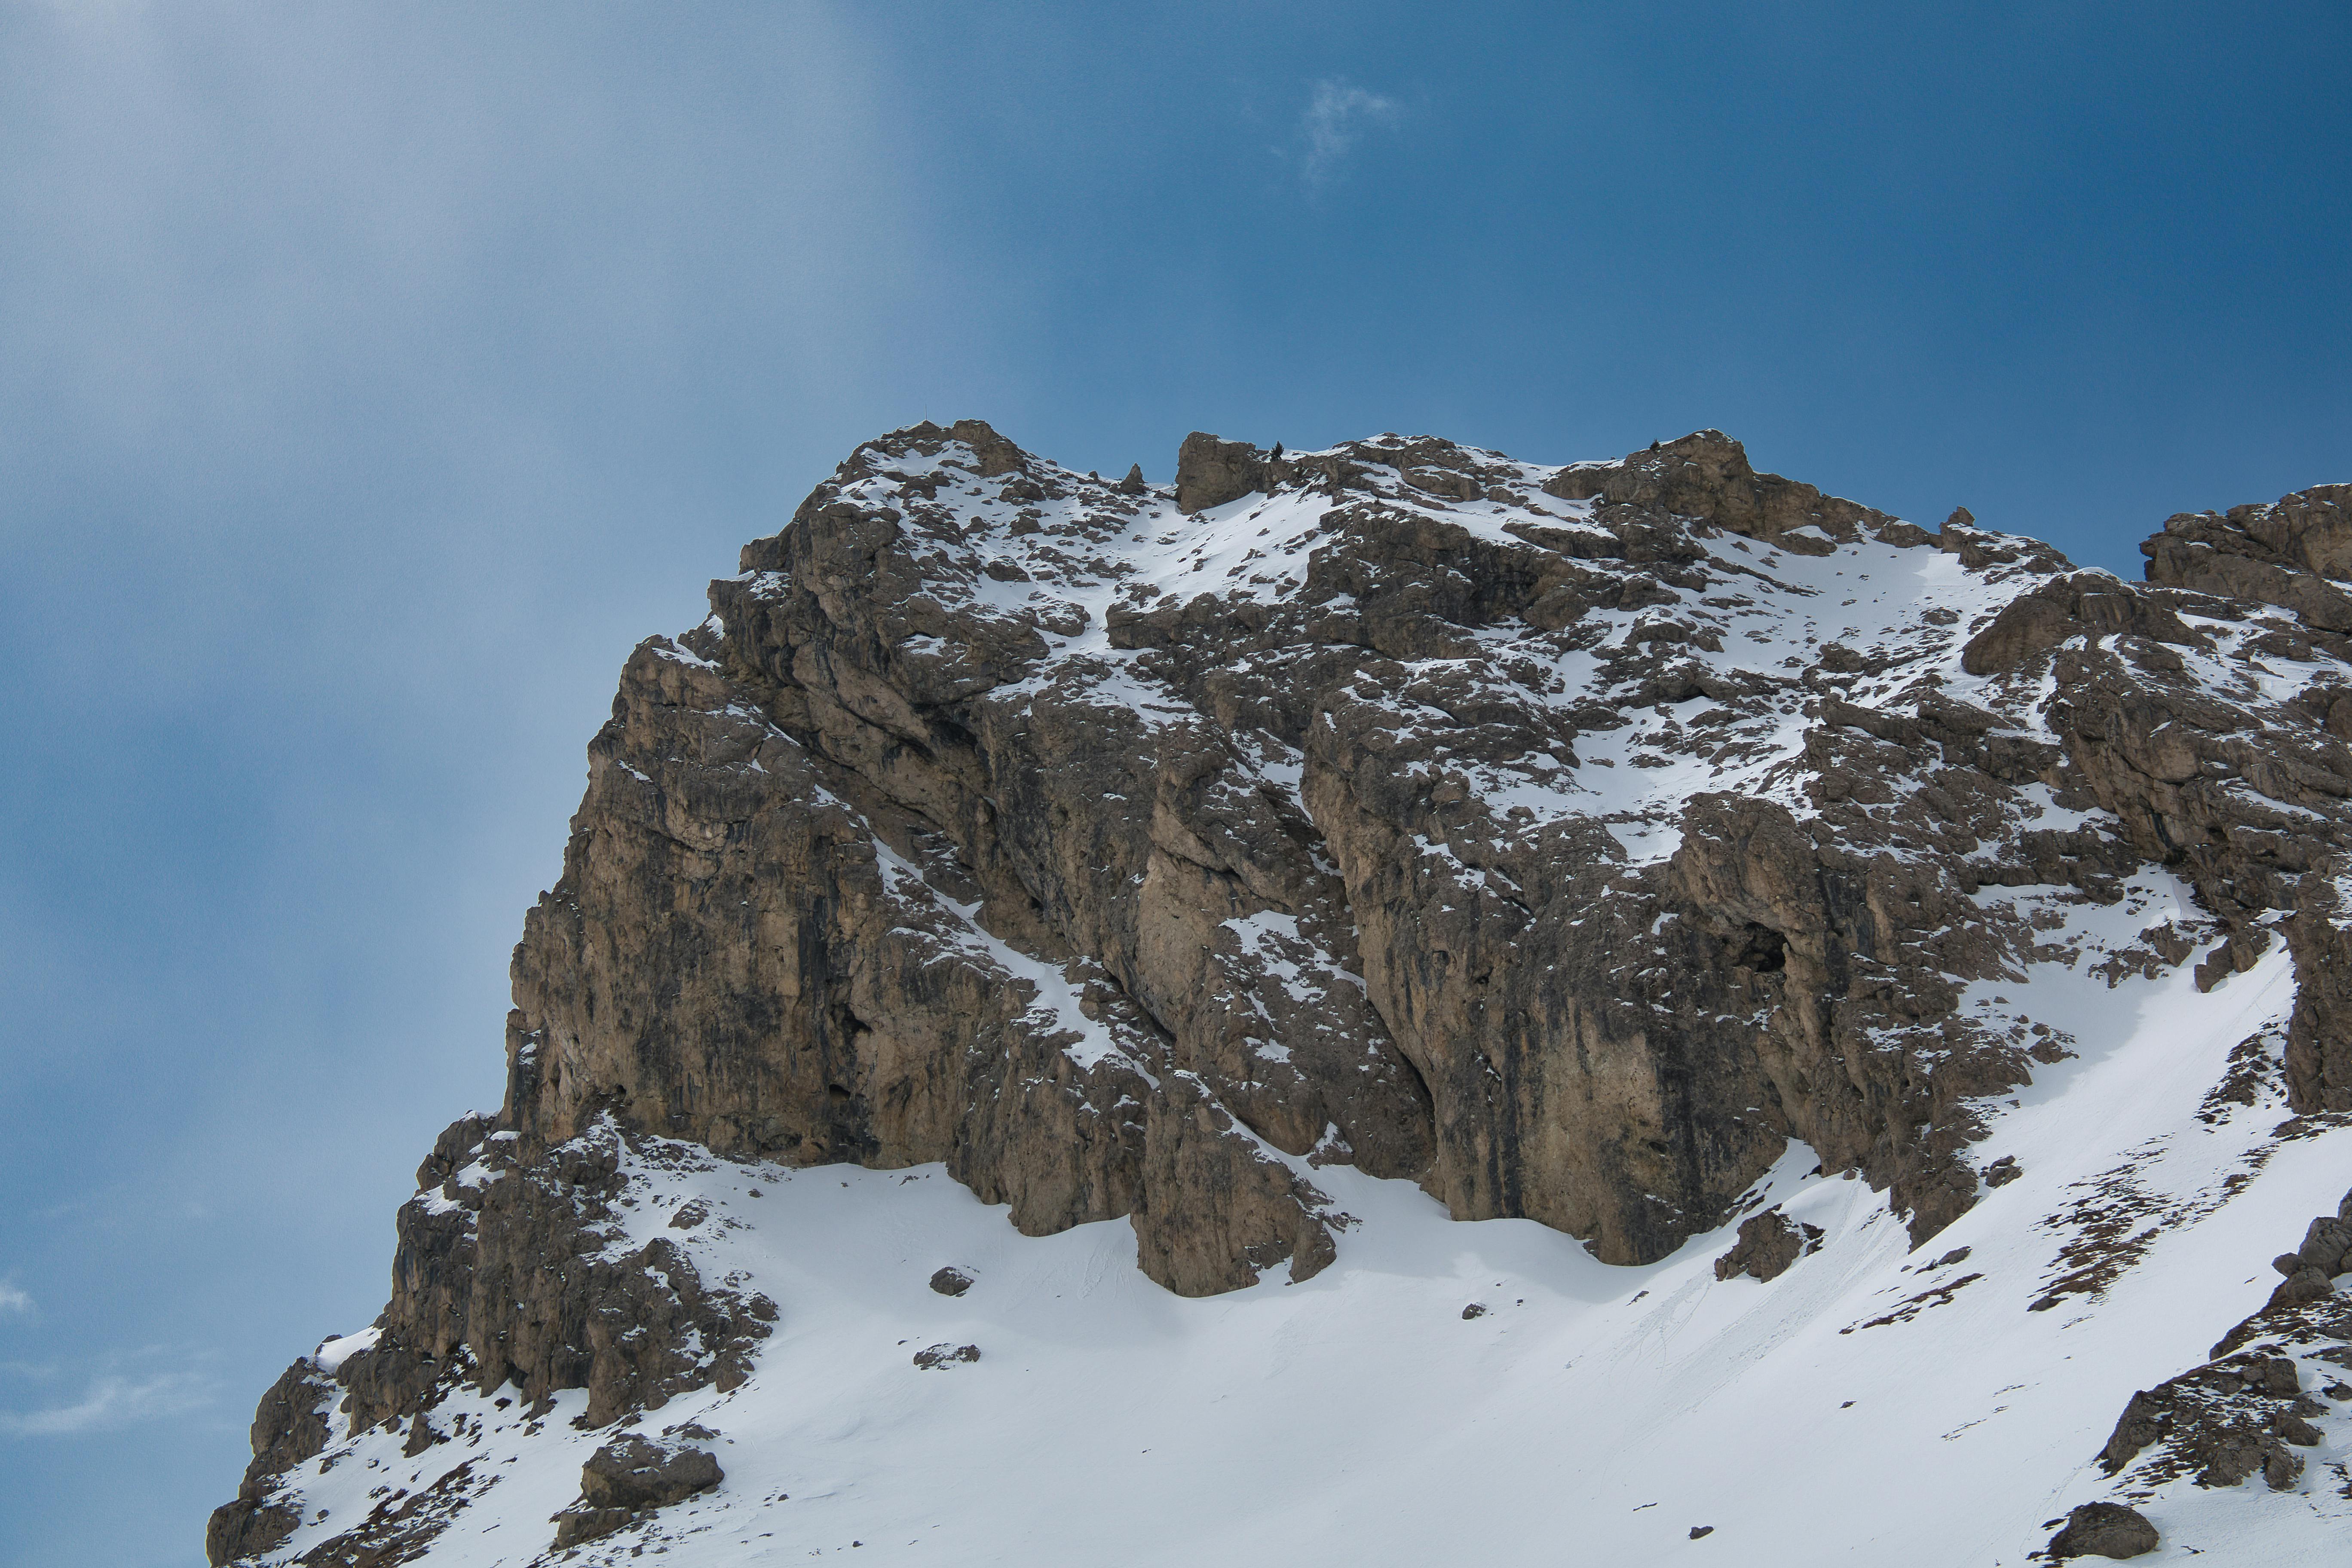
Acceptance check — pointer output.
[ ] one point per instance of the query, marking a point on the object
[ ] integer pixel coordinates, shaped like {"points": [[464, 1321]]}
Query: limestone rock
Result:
{"points": [[638, 1472], [1211, 472], [628, 1475], [508, 1280], [242, 1527], [2291, 552], [288, 1427], [1768, 1245], [1478, 822], [2104, 1530]]}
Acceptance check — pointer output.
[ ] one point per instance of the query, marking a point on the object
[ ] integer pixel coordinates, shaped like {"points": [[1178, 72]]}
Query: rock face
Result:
{"points": [[503, 1276], [1566, 839], [288, 1427], [2292, 553]]}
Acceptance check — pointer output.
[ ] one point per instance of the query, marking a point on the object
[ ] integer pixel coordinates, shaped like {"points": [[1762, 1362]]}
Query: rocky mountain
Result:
{"points": [[1398, 1004]]}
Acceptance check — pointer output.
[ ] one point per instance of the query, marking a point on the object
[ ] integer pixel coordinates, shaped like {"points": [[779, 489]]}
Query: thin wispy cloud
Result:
{"points": [[112, 1402], [1337, 116], [13, 1299]]}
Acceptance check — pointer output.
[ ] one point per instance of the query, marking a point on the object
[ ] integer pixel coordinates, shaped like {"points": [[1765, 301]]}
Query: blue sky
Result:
{"points": [[372, 379]]}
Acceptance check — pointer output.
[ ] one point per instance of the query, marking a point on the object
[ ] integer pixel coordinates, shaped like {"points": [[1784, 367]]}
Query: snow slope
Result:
{"points": [[1868, 1406]]}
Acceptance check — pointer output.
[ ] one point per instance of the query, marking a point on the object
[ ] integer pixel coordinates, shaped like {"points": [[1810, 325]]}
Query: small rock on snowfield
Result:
{"points": [[951, 1281], [2104, 1530]]}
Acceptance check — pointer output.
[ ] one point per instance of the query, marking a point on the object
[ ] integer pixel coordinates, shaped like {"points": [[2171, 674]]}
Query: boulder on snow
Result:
{"points": [[1768, 1245], [951, 1281], [2104, 1530], [630, 1475], [638, 1472], [2326, 1244], [2304, 1285]]}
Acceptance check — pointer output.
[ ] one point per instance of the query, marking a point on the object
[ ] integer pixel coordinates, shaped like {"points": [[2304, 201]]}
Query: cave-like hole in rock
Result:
{"points": [[1761, 949]]}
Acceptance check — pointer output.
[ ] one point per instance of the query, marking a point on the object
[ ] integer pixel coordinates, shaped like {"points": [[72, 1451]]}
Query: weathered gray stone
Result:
{"points": [[2104, 1530]]}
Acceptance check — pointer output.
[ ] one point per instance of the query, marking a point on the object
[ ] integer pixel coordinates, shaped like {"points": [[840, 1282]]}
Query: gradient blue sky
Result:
{"points": [[372, 378]]}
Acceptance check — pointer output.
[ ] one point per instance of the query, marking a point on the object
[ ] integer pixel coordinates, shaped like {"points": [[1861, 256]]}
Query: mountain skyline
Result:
{"points": [[374, 382]]}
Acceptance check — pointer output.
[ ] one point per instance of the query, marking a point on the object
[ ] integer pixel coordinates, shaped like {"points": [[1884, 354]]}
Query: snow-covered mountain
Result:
{"points": [[1395, 1005]]}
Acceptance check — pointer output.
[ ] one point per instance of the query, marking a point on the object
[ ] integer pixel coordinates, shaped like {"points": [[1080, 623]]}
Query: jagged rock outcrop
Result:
{"points": [[2247, 1410], [505, 1274], [2292, 553], [1566, 839], [288, 1427], [1211, 472]]}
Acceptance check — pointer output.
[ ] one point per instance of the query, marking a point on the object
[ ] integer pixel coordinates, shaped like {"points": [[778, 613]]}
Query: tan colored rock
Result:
{"points": [[2290, 554], [953, 836], [1211, 471], [1769, 1244]]}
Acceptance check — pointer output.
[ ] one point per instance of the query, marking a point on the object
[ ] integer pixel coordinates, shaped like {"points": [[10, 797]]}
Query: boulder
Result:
{"points": [[1768, 1245], [2104, 1530], [633, 1472]]}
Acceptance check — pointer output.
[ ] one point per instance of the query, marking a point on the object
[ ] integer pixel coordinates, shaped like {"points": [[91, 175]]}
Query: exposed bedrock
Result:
{"points": [[894, 861], [1565, 839]]}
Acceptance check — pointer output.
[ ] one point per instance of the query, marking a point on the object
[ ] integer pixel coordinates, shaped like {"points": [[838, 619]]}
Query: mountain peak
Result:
{"points": [[1285, 884]]}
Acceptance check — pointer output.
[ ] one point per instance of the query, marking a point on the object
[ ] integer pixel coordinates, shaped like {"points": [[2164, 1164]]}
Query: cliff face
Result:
{"points": [[1567, 840]]}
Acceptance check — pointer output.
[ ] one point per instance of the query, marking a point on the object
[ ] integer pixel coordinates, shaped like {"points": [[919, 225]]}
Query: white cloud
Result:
{"points": [[13, 1300], [1335, 120], [110, 1402]]}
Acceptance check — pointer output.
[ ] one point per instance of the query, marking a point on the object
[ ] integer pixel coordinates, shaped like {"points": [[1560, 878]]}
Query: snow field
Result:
{"points": [[1593, 1414]]}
